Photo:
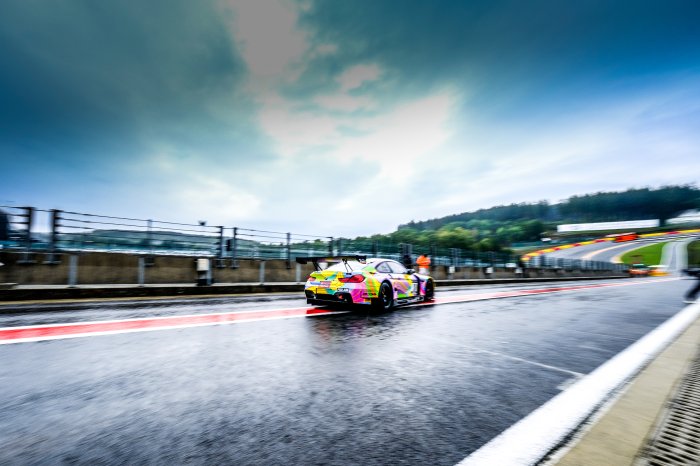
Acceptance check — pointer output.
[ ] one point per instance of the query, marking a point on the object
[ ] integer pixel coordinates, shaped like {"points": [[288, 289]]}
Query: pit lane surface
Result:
{"points": [[423, 384]]}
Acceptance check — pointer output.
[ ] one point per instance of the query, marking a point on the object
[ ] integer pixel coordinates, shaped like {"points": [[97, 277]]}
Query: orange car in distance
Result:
{"points": [[622, 237]]}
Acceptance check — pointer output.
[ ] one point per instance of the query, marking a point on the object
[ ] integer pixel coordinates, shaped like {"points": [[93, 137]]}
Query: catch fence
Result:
{"points": [[30, 230]]}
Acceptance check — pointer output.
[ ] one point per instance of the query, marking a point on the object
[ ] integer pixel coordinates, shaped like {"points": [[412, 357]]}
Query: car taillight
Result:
{"points": [[352, 279]]}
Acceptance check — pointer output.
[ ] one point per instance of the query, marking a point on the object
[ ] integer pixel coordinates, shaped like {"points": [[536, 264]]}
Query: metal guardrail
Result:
{"points": [[66, 231]]}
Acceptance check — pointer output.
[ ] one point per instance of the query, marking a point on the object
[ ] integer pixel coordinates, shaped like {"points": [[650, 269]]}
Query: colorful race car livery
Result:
{"points": [[382, 283]]}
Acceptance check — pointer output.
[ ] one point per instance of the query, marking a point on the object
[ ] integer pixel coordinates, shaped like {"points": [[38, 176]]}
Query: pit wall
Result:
{"points": [[116, 269]]}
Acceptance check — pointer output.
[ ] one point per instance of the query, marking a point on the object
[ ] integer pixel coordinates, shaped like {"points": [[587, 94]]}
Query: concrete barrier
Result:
{"points": [[95, 268], [99, 268]]}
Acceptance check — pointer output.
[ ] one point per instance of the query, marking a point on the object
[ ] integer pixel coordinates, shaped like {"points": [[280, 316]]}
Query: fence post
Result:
{"points": [[289, 250], [29, 214], [221, 243], [234, 249], [375, 248], [27, 239], [73, 271], [55, 218], [149, 235], [142, 270], [221, 253], [330, 246]]}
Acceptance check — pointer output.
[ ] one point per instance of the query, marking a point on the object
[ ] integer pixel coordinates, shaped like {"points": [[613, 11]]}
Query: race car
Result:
{"points": [[658, 270], [639, 270], [380, 283]]}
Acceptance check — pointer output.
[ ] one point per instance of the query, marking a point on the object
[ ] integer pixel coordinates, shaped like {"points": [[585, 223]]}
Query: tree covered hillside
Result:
{"points": [[633, 204], [498, 227]]}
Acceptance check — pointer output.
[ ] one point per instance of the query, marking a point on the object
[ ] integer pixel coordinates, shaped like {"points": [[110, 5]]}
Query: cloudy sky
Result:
{"points": [[341, 118]]}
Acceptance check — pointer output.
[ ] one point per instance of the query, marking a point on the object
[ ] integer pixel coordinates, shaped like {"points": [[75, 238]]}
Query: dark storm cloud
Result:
{"points": [[227, 109], [509, 53], [81, 77]]}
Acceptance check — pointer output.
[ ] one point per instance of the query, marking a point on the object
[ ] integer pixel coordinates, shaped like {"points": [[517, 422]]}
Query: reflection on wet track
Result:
{"points": [[423, 384], [53, 331]]}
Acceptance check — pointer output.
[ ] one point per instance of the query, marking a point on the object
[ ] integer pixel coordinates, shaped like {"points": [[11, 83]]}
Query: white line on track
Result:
{"points": [[606, 335], [592, 254], [530, 439], [507, 356]]}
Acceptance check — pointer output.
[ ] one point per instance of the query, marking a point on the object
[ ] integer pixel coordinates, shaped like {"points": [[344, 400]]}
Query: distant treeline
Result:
{"points": [[498, 227], [634, 204]]}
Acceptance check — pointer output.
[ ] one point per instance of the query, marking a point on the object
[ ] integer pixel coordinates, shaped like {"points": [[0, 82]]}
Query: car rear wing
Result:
{"points": [[316, 259]]}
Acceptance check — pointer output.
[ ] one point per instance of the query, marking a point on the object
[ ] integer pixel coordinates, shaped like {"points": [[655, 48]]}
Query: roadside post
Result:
{"points": [[289, 250], [73, 271], [234, 248], [220, 249], [54, 223], [28, 216], [142, 271], [203, 272]]}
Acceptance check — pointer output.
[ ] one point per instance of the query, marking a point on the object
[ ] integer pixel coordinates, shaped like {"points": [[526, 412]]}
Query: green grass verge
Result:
{"points": [[694, 254], [649, 255]]}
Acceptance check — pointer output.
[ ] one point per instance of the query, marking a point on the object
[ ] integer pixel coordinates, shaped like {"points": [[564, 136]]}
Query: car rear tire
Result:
{"points": [[429, 291], [385, 300]]}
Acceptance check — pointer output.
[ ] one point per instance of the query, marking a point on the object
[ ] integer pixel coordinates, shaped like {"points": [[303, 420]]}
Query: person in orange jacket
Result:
{"points": [[423, 263]]}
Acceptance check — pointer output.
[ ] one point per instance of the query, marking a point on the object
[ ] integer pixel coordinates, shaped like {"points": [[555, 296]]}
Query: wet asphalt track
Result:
{"points": [[421, 385], [607, 251]]}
